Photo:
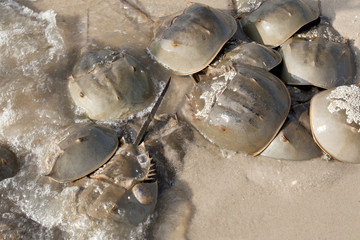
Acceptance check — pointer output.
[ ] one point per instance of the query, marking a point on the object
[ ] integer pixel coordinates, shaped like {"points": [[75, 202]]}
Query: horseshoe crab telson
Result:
{"points": [[277, 20], [318, 62], [111, 85], [335, 122], [193, 39], [240, 110]]}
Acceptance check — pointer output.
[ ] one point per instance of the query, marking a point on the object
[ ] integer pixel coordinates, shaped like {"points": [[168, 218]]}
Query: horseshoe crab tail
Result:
{"points": [[145, 125], [138, 10]]}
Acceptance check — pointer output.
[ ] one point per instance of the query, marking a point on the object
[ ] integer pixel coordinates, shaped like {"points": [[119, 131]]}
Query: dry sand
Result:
{"points": [[237, 196]]}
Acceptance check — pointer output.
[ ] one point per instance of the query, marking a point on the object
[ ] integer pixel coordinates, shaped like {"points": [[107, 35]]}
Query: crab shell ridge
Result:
{"points": [[193, 39]]}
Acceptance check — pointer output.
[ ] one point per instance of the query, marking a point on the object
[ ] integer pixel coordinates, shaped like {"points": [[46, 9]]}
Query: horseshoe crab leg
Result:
{"points": [[145, 125]]}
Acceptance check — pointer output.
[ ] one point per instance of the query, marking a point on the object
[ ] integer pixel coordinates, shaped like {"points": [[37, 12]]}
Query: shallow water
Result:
{"points": [[208, 194]]}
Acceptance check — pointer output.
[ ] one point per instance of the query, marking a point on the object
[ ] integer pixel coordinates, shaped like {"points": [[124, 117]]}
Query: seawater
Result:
{"points": [[35, 61]]}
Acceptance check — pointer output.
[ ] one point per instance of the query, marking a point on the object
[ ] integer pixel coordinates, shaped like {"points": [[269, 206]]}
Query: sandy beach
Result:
{"points": [[218, 194]]}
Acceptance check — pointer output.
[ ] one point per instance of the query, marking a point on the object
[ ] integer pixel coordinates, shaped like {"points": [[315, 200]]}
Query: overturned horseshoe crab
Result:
{"points": [[240, 110], [335, 122], [111, 85], [9, 165], [121, 185], [192, 39], [277, 20], [317, 62]]}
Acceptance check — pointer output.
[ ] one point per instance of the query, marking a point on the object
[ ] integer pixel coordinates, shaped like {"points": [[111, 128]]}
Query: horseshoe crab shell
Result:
{"points": [[241, 110], [293, 142], [318, 62], [9, 165], [130, 164], [193, 39], [110, 85], [123, 189], [252, 54], [83, 151], [335, 122], [277, 20], [137, 203], [113, 201]]}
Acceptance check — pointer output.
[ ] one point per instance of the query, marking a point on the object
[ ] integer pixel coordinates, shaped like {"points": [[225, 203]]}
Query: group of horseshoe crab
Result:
{"points": [[240, 100]]}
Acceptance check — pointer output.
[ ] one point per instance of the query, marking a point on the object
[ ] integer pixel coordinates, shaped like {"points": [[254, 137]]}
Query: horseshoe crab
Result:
{"points": [[240, 110], [248, 53], [192, 39], [127, 187], [86, 143], [121, 189], [9, 165], [121, 186], [111, 85], [293, 142], [318, 62], [335, 122], [266, 25]]}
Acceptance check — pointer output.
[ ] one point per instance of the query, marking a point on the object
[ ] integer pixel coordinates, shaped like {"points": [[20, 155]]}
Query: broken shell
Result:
{"points": [[335, 122], [240, 110], [193, 39], [83, 151], [318, 62], [111, 85], [277, 20]]}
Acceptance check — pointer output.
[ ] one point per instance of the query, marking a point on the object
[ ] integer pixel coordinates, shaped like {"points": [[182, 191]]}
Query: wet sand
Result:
{"points": [[220, 195]]}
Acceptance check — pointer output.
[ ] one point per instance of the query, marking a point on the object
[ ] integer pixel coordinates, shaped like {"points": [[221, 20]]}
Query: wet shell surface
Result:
{"points": [[293, 142], [136, 205], [83, 151], [252, 54], [335, 122], [111, 85], [103, 200], [193, 39], [142, 193], [318, 62], [129, 165], [9, 164], [277, 20], [240, 110], [120, 186], [98, 199]]}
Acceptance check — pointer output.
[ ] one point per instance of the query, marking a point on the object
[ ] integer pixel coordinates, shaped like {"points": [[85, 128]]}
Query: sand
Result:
{"points": [[219, 195]]}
